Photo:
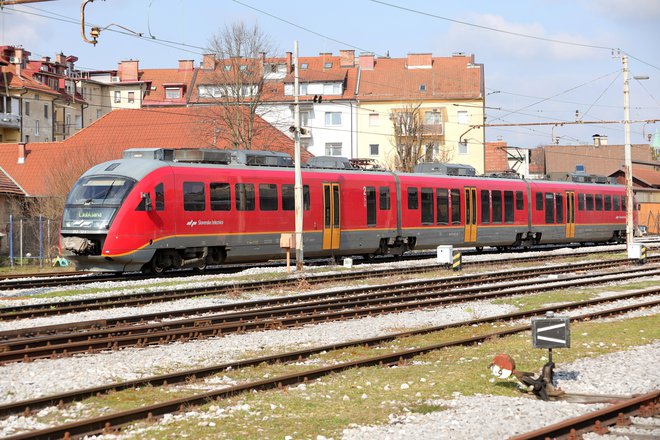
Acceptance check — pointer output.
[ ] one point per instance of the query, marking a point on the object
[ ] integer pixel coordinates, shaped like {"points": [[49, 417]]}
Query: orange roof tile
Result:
{"points": [[648, 176], [106, 138], [447, 78], [158, 78]]}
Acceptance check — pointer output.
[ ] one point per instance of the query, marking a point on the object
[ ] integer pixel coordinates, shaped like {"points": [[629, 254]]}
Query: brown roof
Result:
{"points": [[647, 175], [106, 138], [454, 77], [7, 185]]}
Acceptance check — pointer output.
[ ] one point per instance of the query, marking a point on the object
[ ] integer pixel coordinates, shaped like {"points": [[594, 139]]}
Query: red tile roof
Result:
{"points": [[23, 81], [447, 78], [106, 138], [158, 78], [648, 176]]}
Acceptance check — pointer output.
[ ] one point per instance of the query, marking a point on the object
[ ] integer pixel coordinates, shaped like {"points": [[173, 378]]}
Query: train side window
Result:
{"points": [[559, 199], [549, 208], [413, 198], [497, 206], [288, 198], [608, 202], [617, 203], [599, 202], [244, 196], [508, 207], [220, 196], [485, 206], [160, 197], [539, 201], [427, 206], [520, 201], [580, 202], [442, 202], [384, 198], [371, 206], [590, 202], [624, 203], [455, 207], [268, 197], [194, 198]]}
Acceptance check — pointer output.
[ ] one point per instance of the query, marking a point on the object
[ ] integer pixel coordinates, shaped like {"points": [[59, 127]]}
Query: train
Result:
{"points": [[158, 209]]}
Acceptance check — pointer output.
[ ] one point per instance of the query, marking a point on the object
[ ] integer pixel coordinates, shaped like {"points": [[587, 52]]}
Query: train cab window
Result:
{"points": [[599, 202], [160, 197], [539, 201], [427, 206], [549, 208], [497, 206], [244, 196], [413, 198], [371, 206], [590, 202], [616, 203], [268, 197], [288, 198], [559, 201], [520, 201], [455, 207], [580, 202], [384, 198], [220, 196], [194, 198], [608, 202], [442, 202], [508, 207], [485, 206]]}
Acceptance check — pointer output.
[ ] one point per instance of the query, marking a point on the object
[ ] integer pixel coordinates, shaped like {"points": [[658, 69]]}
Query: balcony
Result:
{"points": [[61, 129], [10, 120], [433, 129]]}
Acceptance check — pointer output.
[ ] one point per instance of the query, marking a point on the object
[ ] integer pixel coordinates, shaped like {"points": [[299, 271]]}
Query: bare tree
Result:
{"points": [[417, 139], [235, 83]]}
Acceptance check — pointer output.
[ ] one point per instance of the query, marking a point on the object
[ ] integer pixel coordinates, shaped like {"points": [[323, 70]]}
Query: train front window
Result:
{"points": [[104, 191]]}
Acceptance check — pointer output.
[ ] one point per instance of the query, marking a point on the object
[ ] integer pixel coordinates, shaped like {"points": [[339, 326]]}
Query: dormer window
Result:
{"points": [[327, 65], [173, 91], [243, 67], [304, 66], [227, 67], [422, 87]]}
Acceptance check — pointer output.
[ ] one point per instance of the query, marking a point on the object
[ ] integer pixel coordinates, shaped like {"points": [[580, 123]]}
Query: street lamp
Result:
{"points": [[628, 156]]}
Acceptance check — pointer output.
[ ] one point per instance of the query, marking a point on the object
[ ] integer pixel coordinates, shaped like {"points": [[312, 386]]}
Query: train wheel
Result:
{"points": [[156, 268], [479, 249], [201, 267]]}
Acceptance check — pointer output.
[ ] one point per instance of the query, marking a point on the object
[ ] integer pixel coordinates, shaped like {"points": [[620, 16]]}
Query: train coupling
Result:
{"points": [[503, 366]]}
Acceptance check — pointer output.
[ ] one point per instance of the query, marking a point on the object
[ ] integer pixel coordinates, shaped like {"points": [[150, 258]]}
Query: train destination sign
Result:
{"points": [[551, 332]]}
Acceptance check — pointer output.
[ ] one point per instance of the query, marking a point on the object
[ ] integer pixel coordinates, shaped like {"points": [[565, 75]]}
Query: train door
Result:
{"points": [[331, 216], [470, 214], [570, 214]]}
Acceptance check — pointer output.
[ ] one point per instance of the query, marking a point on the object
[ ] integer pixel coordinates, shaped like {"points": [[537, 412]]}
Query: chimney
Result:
{"points": [[208, 61], [186, 65], [346, 58], [289, 62], [128, 70], [45, 59], [60, 58], [21, 152], [600, 140], [419, 61], [366, 61]]}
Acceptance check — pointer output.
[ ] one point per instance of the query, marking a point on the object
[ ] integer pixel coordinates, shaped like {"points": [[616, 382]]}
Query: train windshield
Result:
{"points": [[93, 201], [104, 191]]}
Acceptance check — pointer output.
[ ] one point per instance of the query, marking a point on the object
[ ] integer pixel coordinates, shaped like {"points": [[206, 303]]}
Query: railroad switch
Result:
{"points": [[503, 366]]}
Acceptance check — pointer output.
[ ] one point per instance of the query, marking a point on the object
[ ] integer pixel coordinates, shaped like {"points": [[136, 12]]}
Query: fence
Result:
{"points": [[28, 241]]}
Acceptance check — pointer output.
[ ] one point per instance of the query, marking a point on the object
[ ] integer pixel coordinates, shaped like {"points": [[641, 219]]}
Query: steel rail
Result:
{"points": [[211, 326]]}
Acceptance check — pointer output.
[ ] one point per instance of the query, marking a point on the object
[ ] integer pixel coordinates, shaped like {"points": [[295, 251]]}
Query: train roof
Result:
{"points": [[137, 163]]}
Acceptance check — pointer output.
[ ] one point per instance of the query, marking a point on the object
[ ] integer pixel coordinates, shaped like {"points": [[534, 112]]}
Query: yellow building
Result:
{"points": [[430, 102]]}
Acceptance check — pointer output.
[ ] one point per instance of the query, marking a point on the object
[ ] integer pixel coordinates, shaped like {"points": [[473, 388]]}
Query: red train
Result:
{"points": [[158, 209]]}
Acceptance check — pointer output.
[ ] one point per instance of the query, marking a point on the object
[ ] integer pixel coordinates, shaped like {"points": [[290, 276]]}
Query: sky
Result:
{"points": [[544, 60]]}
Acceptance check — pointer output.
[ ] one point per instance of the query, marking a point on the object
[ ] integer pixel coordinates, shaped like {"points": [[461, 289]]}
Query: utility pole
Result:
{"points": [[297, 188], [627, 157]]}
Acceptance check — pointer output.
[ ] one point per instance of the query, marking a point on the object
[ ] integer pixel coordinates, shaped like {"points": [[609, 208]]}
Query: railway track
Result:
{"points": [[93, 336], [139, 299], [109, 423], [600, 422], [59, 279]]}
